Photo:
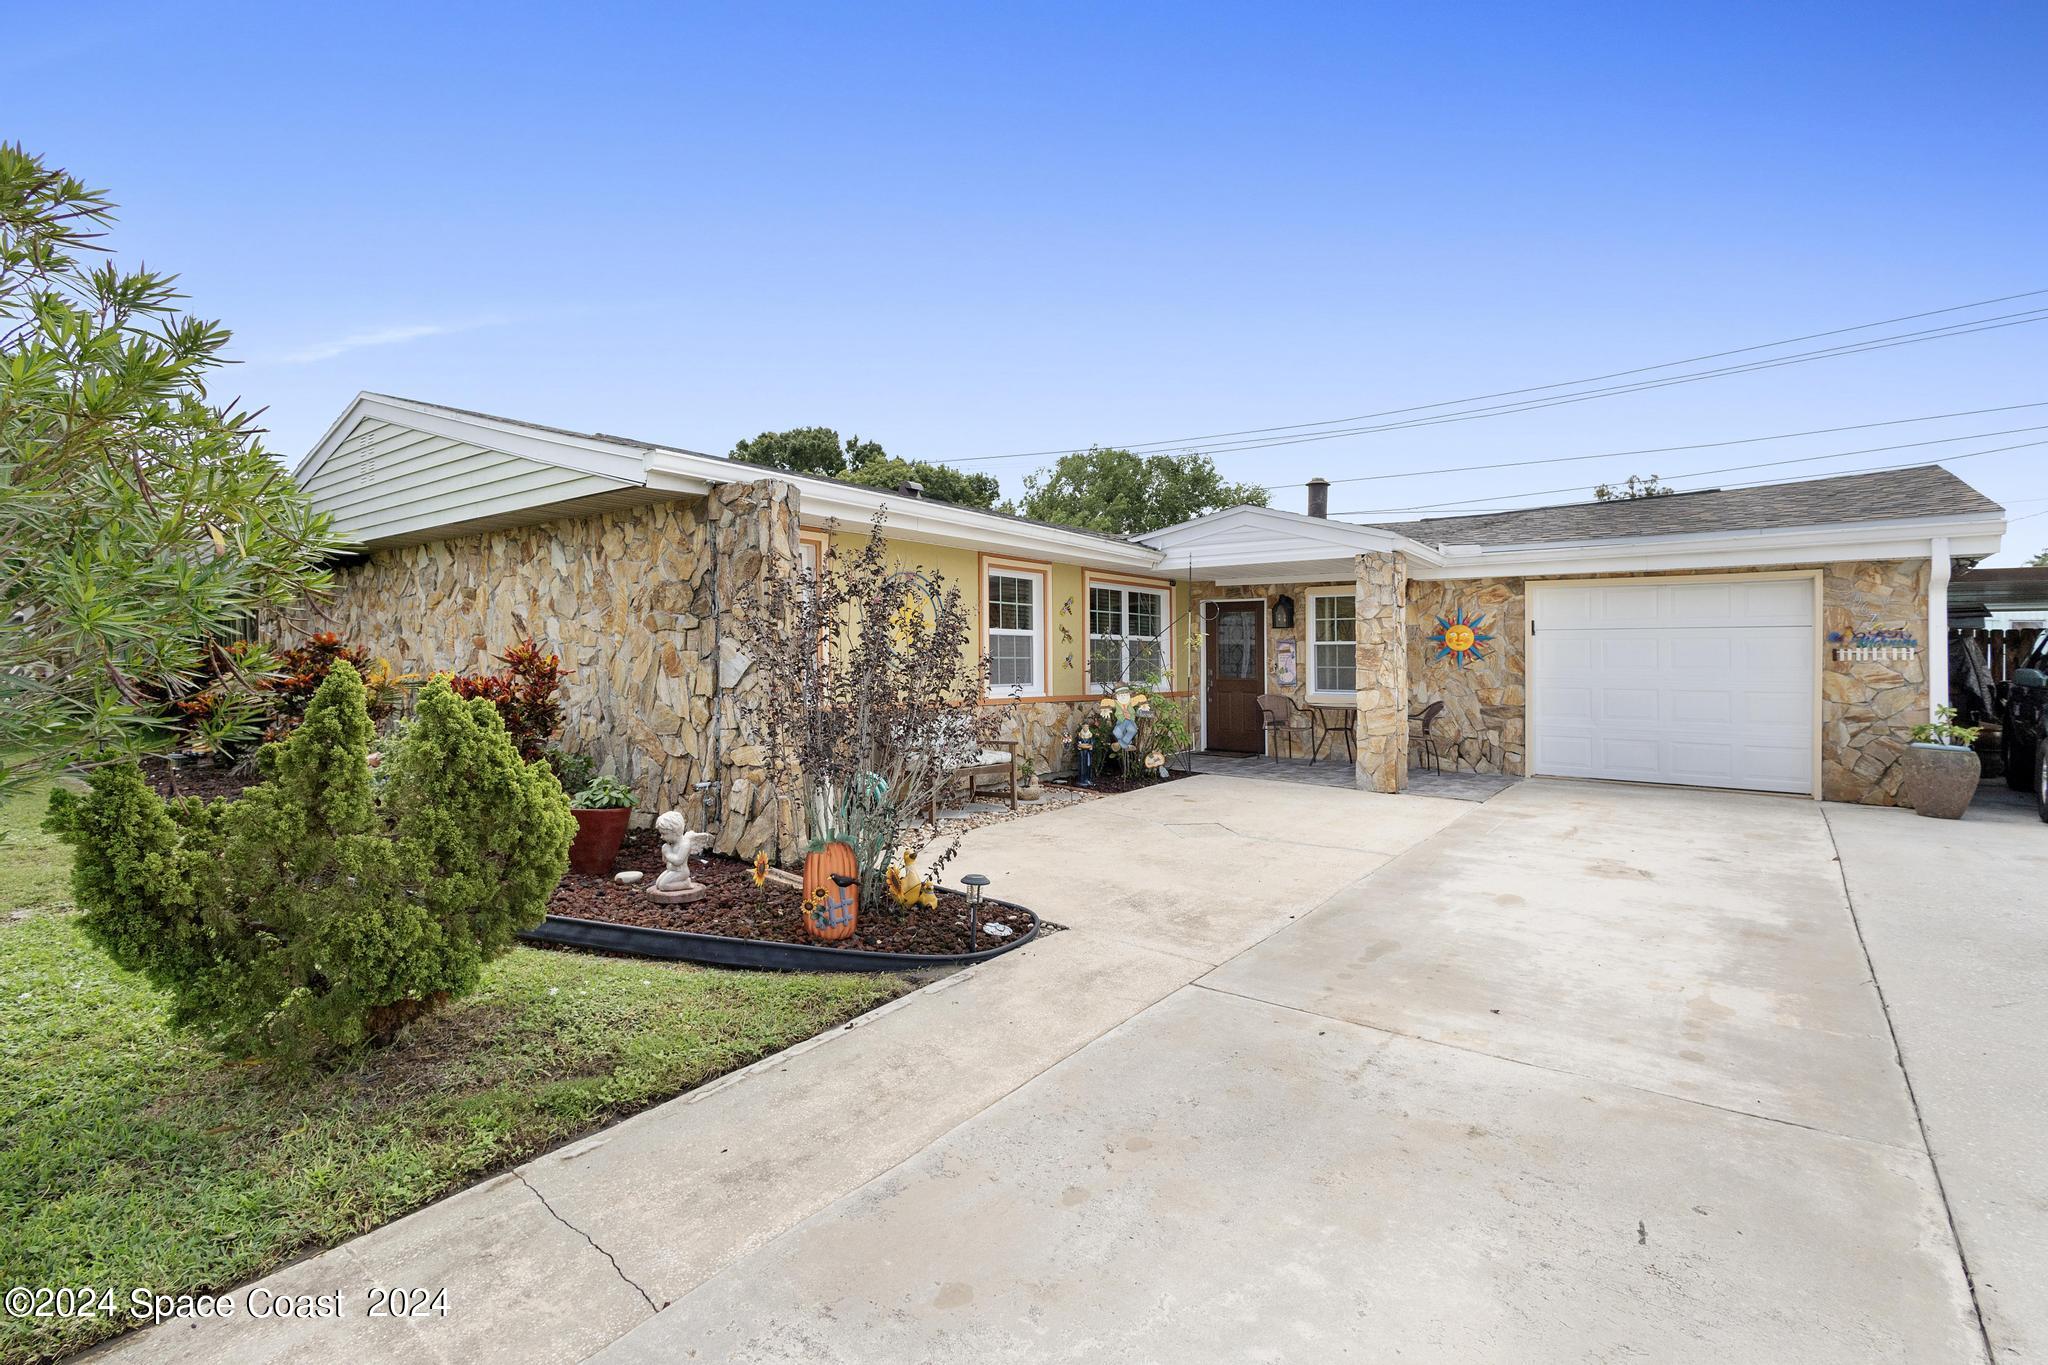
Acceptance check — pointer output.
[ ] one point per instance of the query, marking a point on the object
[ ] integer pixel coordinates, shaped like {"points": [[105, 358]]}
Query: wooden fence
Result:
{"points": [[2001, 650]]}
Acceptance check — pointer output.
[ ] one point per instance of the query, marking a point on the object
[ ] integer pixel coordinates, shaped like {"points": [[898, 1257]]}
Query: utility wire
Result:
{"points": [[1536, 404], [1665, 450], [1541, 388], [1708, 473]]}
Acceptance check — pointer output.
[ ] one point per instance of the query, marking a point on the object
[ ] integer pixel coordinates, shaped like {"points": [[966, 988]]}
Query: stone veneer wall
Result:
{"points": [[627, 599], [1485, 700], [1382, 653], [1867, 709]]}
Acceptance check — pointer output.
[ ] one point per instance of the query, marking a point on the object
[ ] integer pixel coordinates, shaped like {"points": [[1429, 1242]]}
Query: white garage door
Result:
{"points": [[1708, 684]]}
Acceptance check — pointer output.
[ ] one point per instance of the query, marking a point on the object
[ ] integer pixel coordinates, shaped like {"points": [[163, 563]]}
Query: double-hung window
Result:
{"points": [[1126, 635], [1015, 617], [1333, 653]]}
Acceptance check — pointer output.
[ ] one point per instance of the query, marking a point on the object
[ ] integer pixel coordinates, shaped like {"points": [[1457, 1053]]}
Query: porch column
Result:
{"points": [[1381, 632]]}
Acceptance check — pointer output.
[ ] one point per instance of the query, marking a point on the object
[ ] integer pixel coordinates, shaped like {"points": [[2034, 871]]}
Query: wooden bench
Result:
{"points": [[997, 759]]}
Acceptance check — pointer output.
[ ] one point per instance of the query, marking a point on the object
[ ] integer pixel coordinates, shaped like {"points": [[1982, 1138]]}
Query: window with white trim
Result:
{"points": [[1127, 639], [1333, 650], [1014, 610]]}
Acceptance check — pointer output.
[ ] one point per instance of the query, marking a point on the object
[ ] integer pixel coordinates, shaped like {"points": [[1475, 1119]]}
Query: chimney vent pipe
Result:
{"points": [[1319, 497]]}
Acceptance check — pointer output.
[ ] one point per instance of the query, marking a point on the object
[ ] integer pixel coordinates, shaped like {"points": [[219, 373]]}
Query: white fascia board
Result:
{"points": [[621, 461], [917, 519], [1968, 537], [1240, 540]]}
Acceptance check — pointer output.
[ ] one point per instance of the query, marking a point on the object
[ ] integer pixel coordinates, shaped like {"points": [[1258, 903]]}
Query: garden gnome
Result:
{"points": [[1084, 757], [678, 845]]}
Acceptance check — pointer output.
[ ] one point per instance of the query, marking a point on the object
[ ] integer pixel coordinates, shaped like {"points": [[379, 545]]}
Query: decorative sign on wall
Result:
{"points": [[1285, 671], [1460, 638], [1874, 646]]}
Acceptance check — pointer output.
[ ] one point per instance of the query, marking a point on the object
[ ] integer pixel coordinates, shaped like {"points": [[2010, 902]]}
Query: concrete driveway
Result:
{"points": [[1585, 1073]]}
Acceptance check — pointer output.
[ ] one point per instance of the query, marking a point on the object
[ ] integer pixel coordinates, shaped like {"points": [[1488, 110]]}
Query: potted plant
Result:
{"points": [[601, 810], [1941, 767], [1028, 786]]}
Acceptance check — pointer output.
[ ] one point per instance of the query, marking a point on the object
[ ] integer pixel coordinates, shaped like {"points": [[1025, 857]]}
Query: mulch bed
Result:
{"points": [[1112, 784], [203, 780], [736, 908]]}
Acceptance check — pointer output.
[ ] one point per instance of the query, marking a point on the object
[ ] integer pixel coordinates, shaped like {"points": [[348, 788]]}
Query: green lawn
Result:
{"points": [[130, 1156]]}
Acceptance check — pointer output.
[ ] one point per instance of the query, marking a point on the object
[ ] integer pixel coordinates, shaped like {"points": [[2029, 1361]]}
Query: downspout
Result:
{"points": [[1937, 626]]}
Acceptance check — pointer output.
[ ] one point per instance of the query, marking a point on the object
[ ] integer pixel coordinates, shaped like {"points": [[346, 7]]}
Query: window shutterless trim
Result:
{"points": [[987, 564]]}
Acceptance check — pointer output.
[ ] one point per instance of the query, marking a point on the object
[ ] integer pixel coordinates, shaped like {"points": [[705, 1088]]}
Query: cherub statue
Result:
{"points": [[679, 844]]}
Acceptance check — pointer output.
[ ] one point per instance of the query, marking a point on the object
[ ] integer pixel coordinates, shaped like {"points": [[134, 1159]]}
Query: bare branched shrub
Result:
{"points": [[870, 684]]}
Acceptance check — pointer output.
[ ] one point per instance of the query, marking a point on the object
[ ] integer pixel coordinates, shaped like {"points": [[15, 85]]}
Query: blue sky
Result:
{"points": [[973, 230]]}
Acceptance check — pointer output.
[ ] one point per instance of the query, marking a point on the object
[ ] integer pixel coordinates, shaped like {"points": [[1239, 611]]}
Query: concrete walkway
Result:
{"points": [[572, 1250], [1955, 915], [1591, 1073]]}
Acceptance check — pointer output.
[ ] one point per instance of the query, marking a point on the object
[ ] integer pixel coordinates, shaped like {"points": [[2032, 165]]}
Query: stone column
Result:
{"points": [[1382, 652], [752, 533]]}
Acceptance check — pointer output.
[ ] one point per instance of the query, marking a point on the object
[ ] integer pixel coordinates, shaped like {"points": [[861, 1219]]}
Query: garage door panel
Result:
{"points": [[1694, 651], [1634, 650], [1701, 706], [1707, 684], [1706, 764]]}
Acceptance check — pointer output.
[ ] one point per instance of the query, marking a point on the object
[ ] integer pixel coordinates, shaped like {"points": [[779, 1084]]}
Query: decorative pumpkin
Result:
{"points": [[831, 910]]}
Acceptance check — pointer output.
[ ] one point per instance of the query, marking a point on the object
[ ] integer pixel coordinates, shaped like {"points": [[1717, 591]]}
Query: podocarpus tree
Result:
{"points": [[315, 912], [141, 522], [868, 695]]}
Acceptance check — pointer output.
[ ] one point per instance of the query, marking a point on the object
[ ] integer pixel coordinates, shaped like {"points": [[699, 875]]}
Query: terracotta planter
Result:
{"points": [[598, 836], [1941, 779], [831, 911]]}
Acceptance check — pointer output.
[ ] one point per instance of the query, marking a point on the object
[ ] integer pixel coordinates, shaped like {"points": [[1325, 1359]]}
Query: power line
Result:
{"points": [[1665, 450], [1708, 473], [1540, 388], [1532, 405]]}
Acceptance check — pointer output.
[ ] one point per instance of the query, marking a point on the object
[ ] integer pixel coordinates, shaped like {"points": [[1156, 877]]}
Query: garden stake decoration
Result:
{"points": [[1084, 757], [973, 881]]}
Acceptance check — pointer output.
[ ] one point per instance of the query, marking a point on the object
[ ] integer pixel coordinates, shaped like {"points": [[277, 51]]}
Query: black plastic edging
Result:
{"points": [[721, 950]]}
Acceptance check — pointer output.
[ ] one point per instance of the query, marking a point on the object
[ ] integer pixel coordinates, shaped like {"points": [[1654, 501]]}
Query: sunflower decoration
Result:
{"points": [[1459, 638], [760, 872], [814, 908]]}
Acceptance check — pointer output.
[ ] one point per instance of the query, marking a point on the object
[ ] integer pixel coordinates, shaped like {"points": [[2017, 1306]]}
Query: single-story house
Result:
{"points": [[1781, 638]]}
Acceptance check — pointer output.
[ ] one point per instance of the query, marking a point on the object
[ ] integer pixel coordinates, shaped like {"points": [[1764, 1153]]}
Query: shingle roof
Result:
{"points": [[1887, 495]]}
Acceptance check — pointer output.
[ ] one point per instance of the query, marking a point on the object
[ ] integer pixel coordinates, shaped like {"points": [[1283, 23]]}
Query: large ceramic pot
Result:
{"points": [[1941, 779], [831, 892], [598, 836]]}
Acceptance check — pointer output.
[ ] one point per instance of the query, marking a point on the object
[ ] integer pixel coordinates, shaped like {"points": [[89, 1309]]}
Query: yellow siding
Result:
{"points": [[1067, 607]]}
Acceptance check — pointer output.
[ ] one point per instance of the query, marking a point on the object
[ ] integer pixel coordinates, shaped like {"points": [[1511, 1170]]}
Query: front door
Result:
{"points": [[1237, 675]]}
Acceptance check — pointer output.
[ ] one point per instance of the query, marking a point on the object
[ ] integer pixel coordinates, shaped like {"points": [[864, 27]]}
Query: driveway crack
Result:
{"points": [[1912, 1096], [617, 1269]]}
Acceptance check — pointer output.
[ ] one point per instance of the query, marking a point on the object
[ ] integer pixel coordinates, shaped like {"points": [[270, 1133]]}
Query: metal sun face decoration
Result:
{"points": [[1460, 638]]}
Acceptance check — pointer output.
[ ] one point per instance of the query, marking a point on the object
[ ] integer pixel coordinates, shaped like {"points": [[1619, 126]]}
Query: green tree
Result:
{"points": [[943, 482], [819, 450], [1120, 493], [1636, 486], [141, 523], [310, 913], [808, 450], [2039, 561]]}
